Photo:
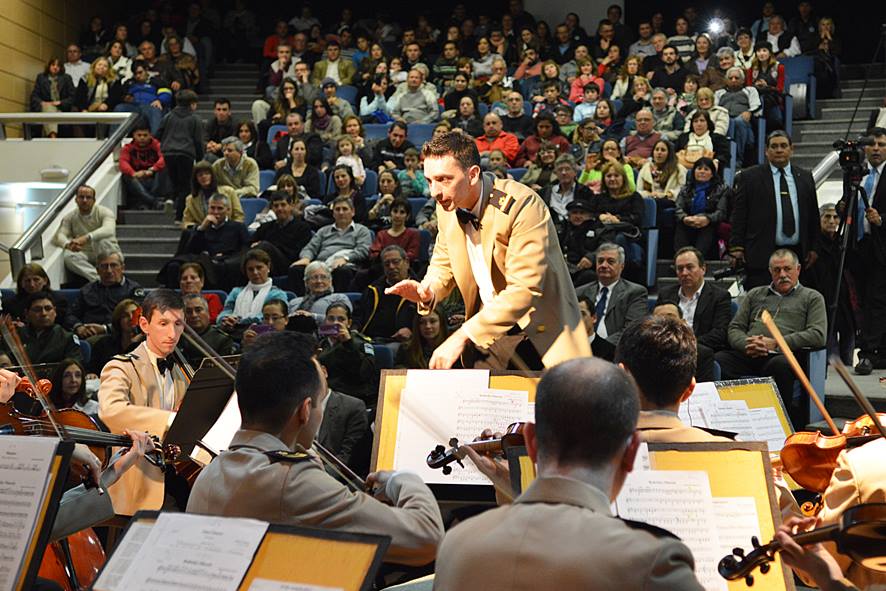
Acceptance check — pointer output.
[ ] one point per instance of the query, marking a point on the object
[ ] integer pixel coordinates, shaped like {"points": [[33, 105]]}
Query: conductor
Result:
{"points": [[498, 245]]}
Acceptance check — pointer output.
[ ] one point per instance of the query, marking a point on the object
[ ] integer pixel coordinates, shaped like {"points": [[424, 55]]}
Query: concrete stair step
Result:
{"points": [[131, 216], [152, 245], [141, 261], [876, 79], [870, 101], [144, 278], [141, 231]]}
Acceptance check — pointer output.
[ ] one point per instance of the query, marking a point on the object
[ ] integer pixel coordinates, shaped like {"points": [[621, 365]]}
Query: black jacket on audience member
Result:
{"points": [[385, 151], [220, 241], [96, 302], [381, 315], [344, 425], [289, 238], [712, 313]]}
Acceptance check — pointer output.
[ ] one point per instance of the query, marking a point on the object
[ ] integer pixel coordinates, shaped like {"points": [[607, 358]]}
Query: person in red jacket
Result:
{"points": [[497, 139], [140, 164]]}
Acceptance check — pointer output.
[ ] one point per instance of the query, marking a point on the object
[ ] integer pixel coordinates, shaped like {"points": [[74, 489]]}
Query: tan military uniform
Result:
{"points": [[532, 286], [245, 482], [659, 426], [559, 534], [130, 398], [80, 508], [860, 477]]}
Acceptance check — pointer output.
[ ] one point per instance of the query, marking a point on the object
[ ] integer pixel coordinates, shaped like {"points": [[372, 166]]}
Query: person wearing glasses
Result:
{"points": [[799, 313], [92, 311]]}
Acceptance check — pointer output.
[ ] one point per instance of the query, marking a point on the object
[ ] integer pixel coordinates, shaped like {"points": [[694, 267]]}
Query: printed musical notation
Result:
{"points": [[680, 502], [25, 467], [428, 419]]}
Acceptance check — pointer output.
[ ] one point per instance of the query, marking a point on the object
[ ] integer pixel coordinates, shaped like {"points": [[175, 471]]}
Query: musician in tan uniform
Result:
{"points": [[660, 353], [142, 390], [560, 534], [267, 474], [860, 477], [498, 245]]}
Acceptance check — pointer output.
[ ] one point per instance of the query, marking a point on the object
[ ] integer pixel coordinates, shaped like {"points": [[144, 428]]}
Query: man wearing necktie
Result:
{"points": [[497, 244], [141, 391], [869, 260], [775, 206]]}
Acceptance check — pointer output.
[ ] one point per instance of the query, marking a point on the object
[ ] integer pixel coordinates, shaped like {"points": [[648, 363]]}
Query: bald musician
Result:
{"points": [[560, 534], [267, 472]]}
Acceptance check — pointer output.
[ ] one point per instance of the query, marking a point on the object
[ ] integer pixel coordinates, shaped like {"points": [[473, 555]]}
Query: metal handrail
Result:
{"points": [[32, 238], [822, 171]]}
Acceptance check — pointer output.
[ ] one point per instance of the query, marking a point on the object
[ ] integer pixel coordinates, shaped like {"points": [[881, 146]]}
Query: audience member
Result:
{"points": [[344, 426], [191, 280], [619, 211], [75, 67], [428, 331], [122, 338], [546, 130], [600, 347], [701, 141], [382, 316], [623, 81], [54, 91], [141, 162], [662, 177], [743, 105], [283, 238], [69, 388], [705, 307], [515, 120], [274, 319], [667, 120], [85, 232], [244, 304], [91, 313], [671, 75], [637, 146], [617, 301], [255, 147], [579, 241], [767, 75], [306, 176], [348, 357], [499, 85], [142, 96], [786, 219], [389, 152], [798, 312], [592, 174], [197, 317], [702, 56], [307, 312], [221, 126], [702, 204], [295, 129], [181, 140], [345, 185], [396, 232], [643, 46], [783, 43], [32, 278], [44, 340], [540, 174], [558, 195], [342, 245], [414, 103], [236, 170], [99, 90], [203, 186]]}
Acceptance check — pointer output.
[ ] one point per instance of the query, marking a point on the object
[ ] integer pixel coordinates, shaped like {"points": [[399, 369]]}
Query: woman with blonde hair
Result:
{"points": [[619, 211], [99, 90], [624, 83]]}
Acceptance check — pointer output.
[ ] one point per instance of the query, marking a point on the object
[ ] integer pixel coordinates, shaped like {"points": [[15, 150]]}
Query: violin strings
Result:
{"points": [[111, 438]]}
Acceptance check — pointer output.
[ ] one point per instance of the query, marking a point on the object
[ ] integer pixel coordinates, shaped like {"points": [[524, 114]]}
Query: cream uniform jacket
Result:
{"points": [[532, 286], [130, 398], [559, 534]]}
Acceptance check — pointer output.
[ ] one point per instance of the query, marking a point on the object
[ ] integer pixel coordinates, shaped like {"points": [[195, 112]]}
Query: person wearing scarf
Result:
{"points": [[701, 205], [322, 122], [243, 305]]}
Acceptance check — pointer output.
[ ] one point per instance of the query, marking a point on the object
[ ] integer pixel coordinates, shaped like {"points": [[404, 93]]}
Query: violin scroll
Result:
{"points": [[738, 565]]}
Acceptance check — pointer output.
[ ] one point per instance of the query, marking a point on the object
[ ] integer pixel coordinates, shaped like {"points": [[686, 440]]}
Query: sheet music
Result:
{"points": [[193, 553], [680, 502], [704, 394], [530, 412], [445, 381], [124, 556], [733, 416], [736, 522], [219, 436], [768, 428], [25, 464], [269, 585], [428, 419]]}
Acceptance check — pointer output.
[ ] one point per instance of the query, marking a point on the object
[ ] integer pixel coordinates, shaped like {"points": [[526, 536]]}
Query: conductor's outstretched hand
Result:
{"points": [[411, 290]]}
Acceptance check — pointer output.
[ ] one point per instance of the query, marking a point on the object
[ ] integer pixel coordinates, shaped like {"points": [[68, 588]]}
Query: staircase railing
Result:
{"points": [[32, 238]]}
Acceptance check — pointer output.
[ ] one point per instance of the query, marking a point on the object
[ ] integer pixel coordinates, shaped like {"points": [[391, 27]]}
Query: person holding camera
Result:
{"points": [[347, 355]]}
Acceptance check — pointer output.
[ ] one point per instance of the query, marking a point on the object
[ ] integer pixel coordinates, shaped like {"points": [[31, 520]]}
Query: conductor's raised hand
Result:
{"points": [[412, 290]]}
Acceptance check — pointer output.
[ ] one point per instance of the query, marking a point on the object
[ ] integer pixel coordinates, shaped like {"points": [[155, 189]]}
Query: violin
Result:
{"points": [[810, 458], [861, 535], [441, 457]]}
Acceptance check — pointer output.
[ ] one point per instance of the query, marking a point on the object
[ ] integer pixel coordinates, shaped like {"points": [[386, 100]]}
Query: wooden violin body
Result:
{"points": [[441, 457], [810, 458]]}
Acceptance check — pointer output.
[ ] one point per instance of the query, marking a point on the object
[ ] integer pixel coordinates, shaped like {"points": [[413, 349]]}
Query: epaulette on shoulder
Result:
{"points": [[501, 201], [284, 455], [658, 532], [130, 357]]}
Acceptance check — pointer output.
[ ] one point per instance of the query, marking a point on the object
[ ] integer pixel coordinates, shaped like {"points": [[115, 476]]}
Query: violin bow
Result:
{"points": [[798, 371], [862, 400], [10, 336]]}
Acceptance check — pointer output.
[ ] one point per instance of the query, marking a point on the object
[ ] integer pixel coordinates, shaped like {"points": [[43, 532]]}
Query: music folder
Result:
{"points": [[208, 393]]}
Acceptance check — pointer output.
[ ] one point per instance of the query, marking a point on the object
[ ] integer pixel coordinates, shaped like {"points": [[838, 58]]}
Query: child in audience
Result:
{"points": [[497, 158], [686, 100], [412, 180], [588, 105], [347, 155]]}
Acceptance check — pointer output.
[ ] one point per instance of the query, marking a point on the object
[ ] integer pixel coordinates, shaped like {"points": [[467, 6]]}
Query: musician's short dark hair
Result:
{"points": [[275, 376], [585, 411], [457, 144], [661, 353], [161, 299]]}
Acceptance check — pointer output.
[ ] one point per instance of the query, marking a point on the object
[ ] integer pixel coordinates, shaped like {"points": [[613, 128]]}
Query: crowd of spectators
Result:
{"points": [[595, 121]]}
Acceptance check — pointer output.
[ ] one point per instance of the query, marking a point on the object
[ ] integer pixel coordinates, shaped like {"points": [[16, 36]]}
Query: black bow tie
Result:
{"points": [[164, 363], [464, 217]]}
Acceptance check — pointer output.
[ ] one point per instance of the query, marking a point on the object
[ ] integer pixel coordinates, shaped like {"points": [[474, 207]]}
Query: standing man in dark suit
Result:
{"points": [[617, 301], [775, 207], [871, 235], [706, 308]]}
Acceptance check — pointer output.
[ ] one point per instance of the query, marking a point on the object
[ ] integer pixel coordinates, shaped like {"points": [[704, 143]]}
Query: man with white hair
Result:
{"points": [[743, 103], [236, 169], [783, 43]]}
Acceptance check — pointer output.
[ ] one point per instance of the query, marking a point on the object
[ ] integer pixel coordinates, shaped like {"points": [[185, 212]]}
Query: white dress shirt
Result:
{"points": [[688, 305], [164, 382]]}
